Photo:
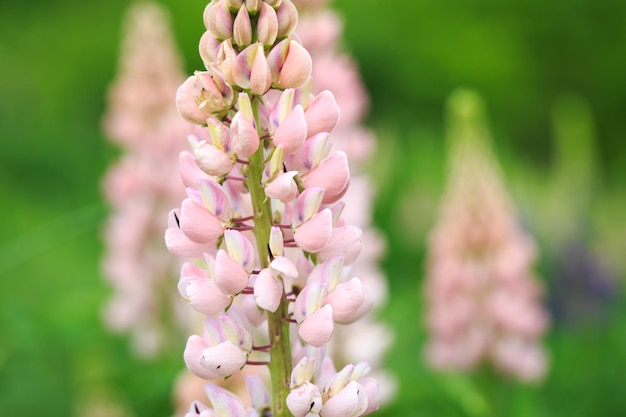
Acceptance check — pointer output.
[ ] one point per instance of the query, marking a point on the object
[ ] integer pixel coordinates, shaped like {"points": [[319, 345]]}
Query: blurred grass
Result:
{"points": [[57, 59]]}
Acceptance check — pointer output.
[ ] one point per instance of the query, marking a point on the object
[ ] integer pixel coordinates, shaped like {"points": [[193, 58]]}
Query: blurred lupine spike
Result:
{"points": [[143, 185], [483, 301]]}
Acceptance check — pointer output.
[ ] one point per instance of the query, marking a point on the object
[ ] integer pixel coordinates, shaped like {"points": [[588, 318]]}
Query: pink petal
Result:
{"points": [[292, 132], [225, 403], [230, 276], [192, 356], [317, 329], [346, 300], [190, 173], [322, 114], [345, 242], [309, 300], [283, 266], [372, 391], [223, 359], [215, 199], [180, 245], [240, 249], [268, 290], [198, 224], [350, 401], [315, 233], [333, 174], [212, 160], [187, 104], [296, 68], [283, 187], [309, 202], [304, 399]]}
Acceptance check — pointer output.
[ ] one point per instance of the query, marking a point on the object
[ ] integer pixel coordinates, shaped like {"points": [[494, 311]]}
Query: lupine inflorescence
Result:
{"points": [[263, 221], [142, 187], [483, 300]]}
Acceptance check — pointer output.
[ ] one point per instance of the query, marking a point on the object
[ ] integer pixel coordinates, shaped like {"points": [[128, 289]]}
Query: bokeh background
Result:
{"points": [[553, 75]]}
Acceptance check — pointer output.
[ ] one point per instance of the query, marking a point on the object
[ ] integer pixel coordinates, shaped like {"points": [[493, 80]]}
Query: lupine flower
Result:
{"points": [[142, 187], [265, 225], [484, 303]]}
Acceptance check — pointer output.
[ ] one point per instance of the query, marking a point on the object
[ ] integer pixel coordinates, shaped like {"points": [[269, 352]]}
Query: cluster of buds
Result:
{"points": [[143, 185], [483, 300], [263, 220]]}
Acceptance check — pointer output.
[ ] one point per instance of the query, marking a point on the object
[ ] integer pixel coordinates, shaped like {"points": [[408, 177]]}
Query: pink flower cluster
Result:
{"points": [[263, 220], [142, 187], [483, 300]]}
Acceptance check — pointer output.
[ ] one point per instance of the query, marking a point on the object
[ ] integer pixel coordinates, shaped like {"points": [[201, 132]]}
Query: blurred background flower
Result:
{"points": [[552, 75]]}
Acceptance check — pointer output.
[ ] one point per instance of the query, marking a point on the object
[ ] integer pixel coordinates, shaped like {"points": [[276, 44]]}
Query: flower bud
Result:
{"points": [[287, 15], [223, 359], [208, 47], [290, 64], [212, 160], [218, 20], [267, 25], [251, 70], [304, 399], [242, 28]]}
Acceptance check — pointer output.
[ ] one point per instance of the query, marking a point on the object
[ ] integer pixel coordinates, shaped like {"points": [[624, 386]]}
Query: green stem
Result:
{"points": [[278, 327]]}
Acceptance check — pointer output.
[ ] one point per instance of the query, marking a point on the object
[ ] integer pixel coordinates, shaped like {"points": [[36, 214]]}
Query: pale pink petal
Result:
{"points": [[345, 242], [187, 104], [333, 174], [296, 68], [309, 202], [215, 199], [284, 267], [315, 233], [267, 25], [240, 249], [179, 244], [346, 300], [223, 359], [322, 114], [309, 300], [350, 401], [302, 372], [373, 394], [317, 329], [190, 173], [276, 241], [292, 132], [246, 136], [287, 16], [198, 224], [242, 27], [225, 403], [212, 160], [230, 276], [193, 355], [283, 187], [304, 399], [268, 290]]}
